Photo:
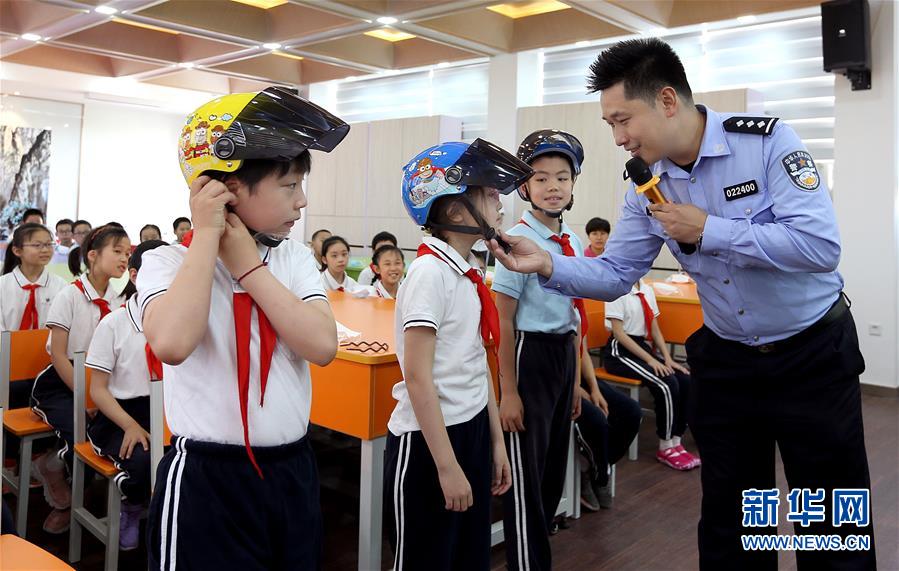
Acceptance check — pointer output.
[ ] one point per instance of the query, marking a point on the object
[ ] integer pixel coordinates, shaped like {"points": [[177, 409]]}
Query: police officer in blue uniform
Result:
{"points": [[777, 360]]}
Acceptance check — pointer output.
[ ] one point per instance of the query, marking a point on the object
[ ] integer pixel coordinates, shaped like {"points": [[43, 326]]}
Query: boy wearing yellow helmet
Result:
{"points": [[239, 487]]}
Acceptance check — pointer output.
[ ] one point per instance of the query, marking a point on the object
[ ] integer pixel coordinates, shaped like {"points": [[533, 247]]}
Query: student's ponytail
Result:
{"points": [[74, 261], [22, 234]]}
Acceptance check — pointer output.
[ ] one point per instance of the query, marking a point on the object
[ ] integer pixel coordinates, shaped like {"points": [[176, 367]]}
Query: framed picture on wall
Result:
{"points": [[24, 173]]}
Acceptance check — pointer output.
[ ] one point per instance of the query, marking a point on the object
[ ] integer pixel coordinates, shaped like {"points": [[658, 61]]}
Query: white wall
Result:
{"points": [[129, 169], [866, 191]]}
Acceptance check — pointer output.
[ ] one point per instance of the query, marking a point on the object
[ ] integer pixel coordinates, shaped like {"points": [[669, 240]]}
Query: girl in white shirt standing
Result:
{"points": [[445, 450]]}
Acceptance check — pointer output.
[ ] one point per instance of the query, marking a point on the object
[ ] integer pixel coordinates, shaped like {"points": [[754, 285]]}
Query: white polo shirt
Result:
{"points": [[381, 291], [61, 254], [437, 294], [13, 298], [349, 285], [629, 310], [118, 348], [73, 311], [201, 397]]}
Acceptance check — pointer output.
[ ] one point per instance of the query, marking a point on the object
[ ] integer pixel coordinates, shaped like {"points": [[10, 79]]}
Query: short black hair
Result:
{"points": [[382, 236], [150, 227], [645, 65], [319, 231], [178, 221], [32, 212], [63, 222], [135, 261], [598, 225], [252, 171], [81, 223]]}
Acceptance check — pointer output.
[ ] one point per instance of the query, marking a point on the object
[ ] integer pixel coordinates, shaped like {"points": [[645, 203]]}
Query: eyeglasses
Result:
{"points": [[40, 245]]}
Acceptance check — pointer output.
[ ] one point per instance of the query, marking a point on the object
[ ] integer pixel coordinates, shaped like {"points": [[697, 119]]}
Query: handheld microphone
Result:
{"points": [[647, 184]]}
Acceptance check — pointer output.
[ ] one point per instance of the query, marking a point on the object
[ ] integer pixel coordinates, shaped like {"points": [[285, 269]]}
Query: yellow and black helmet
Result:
{"points": [[271, 124]]}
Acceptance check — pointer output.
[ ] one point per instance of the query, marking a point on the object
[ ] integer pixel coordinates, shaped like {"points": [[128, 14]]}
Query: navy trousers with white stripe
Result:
{"points": [[545, 368], [106, 437], [54, 402], [423, 533], [211, 510], [670, 393]]}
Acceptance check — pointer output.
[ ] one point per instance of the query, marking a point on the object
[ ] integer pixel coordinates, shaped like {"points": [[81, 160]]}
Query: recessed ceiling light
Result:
{"points": [[108, 10], [16, 93], [31, 37], [271, 45], [582, 43], [748, 19], [387, 20], [389, 34], [517, 10], [443, 64], [186, 64]]}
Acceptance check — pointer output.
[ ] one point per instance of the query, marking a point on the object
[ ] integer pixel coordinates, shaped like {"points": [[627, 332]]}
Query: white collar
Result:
{"points": [[332, 283], [448, 254], [133, 312], [20, 278], [382, 291]]}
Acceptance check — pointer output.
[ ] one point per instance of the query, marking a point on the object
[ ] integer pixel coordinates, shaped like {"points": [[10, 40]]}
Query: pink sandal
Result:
{"points": [[673, 458]]}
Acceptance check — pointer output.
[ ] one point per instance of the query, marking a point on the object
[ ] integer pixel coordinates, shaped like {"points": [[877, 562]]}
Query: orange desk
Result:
{"points": [[352, 395]]}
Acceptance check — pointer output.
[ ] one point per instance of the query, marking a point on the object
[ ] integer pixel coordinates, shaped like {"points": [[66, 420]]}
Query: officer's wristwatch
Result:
{"points": [[699, 242]]}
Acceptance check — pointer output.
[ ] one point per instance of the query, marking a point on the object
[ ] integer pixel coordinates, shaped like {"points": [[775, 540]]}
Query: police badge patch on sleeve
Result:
{"points": [[802, 171]]}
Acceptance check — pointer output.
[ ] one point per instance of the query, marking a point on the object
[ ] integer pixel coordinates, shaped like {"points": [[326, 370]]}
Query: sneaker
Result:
{"points": [[129, 526], [604, 495], [588, 495], [58, 521], [56, 488], [695, 462], [672, 458]]}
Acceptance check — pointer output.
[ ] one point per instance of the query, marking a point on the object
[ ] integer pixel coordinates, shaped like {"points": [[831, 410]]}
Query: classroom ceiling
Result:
{"points": [[241, 45]]}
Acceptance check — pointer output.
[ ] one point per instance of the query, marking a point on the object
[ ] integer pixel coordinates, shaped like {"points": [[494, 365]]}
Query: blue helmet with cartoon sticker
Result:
{"points": [[451, 168]]}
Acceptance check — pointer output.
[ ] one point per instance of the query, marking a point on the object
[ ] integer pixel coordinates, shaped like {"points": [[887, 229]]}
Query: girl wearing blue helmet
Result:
{"points": [[445, 450], [540, 350]]}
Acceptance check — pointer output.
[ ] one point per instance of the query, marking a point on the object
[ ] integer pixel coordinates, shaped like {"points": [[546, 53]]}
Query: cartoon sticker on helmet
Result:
{"points": [[217, 132], [184, 144], [801, 169], [427, 181], [201, 145]]}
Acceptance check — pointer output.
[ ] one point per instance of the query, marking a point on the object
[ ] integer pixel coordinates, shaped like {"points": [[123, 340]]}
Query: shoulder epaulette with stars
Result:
{"points": [[751, 125]]}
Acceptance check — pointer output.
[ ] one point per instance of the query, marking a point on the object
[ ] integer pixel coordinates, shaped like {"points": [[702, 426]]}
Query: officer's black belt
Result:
{"points": [[835, 313]]}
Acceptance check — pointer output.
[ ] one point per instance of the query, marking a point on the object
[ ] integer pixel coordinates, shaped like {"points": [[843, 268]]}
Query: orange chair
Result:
{"points": [[106, 529], [30, 350], [16, 553]]}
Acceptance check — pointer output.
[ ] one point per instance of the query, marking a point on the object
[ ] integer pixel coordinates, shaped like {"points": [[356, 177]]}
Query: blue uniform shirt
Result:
{"points": [[767, 266], [538, 312]]}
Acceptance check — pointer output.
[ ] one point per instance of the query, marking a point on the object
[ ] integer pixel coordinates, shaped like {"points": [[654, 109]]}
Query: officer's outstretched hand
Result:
{"points": [[526, 257]]}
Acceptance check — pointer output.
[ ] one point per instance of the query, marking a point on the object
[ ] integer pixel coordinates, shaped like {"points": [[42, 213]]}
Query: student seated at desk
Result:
{"points": [[388, 263], [637, 349], [379, 240], [335, 256]]}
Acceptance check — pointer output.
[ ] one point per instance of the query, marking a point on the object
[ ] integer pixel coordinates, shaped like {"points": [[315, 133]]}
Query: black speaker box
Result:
{"points": [[845, 32]]}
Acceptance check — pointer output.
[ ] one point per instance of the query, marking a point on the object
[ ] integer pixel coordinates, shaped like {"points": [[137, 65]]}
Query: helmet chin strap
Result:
{"points": [[266, 239], [482, 229]]}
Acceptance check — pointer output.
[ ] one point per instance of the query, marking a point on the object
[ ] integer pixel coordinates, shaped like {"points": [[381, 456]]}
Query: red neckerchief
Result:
{"points": [[29, 316], [567, 250], [647, 314], [99, 301], [154, 365], [489, 315], [243, 309]]}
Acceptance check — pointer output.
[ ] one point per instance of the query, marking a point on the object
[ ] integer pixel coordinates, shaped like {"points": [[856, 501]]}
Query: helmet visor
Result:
{"points": [[485, 164], [276, 124]]}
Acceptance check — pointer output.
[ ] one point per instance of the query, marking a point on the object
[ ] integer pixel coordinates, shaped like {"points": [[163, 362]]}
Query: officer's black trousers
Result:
{"points": [[804, 398]]}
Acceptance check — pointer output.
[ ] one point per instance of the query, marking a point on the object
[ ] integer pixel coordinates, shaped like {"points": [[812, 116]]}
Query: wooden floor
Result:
{"points": [[651, 526]]}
